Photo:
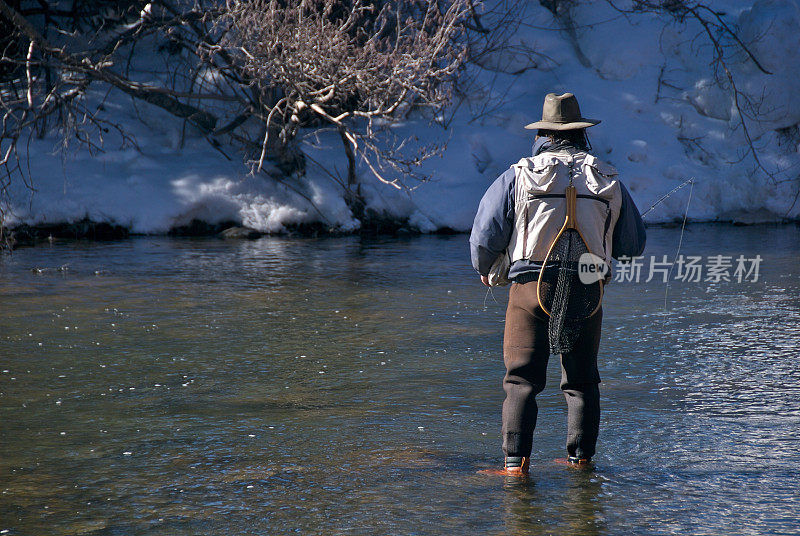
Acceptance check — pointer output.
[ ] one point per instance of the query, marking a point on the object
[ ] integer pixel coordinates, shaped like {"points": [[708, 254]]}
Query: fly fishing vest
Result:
{"points": [[540, 204]]}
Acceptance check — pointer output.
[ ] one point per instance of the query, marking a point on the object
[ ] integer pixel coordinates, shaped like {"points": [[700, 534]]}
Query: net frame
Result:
{"points": [[566, 309]]}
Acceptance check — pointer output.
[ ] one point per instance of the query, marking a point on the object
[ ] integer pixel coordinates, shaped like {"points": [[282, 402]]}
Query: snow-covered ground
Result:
{"points": [[649, 81]]}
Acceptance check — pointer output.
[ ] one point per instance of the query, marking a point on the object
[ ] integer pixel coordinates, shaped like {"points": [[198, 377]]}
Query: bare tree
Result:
{"points": [[49, 57], [290, 66], [728, 50], [353, 65], [720, 35]]}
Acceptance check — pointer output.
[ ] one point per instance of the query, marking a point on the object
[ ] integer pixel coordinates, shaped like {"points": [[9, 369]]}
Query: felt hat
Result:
{"points": [[561, 112]]}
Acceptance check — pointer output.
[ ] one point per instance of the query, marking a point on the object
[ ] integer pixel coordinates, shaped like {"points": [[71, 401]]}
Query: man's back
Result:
{"points": [[523, 215]]}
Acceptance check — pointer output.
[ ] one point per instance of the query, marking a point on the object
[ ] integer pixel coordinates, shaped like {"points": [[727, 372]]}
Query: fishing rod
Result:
{"points": [[683, 229], [681, 185]]}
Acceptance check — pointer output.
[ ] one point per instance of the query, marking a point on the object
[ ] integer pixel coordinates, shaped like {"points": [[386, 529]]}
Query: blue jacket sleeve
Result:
{"points": [[494, 222], [629, 235]]}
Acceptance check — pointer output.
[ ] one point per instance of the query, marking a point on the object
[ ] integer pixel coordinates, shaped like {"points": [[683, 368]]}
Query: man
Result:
{"points": [[520, 216]]}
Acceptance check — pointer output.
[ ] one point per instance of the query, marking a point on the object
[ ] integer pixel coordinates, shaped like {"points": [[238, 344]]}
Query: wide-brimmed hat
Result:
{"points": [[561, 112]]}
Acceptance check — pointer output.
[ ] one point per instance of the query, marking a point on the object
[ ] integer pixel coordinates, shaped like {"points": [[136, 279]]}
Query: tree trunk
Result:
{"points": [[353, 192]]}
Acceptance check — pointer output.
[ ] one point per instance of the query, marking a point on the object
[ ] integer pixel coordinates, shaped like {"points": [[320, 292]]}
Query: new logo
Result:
{"points": [[591, 268]]}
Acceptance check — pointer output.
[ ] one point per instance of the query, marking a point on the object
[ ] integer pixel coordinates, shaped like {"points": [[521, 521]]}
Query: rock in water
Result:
{"points": [[239, 232]]}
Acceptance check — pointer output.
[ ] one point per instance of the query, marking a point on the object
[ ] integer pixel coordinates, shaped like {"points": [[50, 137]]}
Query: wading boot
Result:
{"points": [[514, 466], [582, 463], [517, 465]]}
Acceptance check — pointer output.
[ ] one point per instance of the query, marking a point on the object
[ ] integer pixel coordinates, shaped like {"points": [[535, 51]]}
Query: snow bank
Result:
{"points": [[171, 178], [664, 120]]}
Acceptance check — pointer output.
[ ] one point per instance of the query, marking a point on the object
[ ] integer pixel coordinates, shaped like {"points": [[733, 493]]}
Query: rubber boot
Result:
{"points": [[579, 462], [517, 465]]}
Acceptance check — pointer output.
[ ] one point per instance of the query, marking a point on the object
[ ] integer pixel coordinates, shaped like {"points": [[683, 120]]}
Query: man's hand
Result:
{"points": [[485, 280]]}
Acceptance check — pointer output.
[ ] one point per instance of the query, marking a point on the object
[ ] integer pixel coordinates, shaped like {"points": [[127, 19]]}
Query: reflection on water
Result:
{"points": [[340, 386], [564, 504]]}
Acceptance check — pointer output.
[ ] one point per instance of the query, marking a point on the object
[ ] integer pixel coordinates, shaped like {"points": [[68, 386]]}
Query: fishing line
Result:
{"points": [[489, 291], [660, 200], [680, 240]]}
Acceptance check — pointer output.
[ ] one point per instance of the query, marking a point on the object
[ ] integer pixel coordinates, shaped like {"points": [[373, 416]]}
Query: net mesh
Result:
{"points": [[562, 293]]}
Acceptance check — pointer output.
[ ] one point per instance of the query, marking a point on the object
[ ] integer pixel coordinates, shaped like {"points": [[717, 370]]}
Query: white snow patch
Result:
{"points": [[664, 120]]}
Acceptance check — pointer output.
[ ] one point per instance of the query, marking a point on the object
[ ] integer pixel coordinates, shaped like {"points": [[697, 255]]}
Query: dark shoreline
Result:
{"points": [[32, 235]]}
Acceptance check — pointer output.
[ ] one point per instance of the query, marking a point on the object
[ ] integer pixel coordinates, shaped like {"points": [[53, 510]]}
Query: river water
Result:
{"points": [[347, 386]]}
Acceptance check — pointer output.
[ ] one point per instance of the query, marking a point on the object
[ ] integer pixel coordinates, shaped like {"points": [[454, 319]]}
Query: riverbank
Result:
{"points": [[86, 229], [664, 121], [379, 225]]}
